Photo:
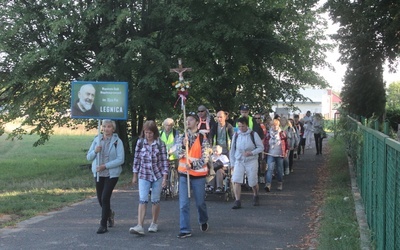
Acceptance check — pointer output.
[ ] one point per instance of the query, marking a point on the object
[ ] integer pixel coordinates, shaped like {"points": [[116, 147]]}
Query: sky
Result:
{"points": [[335, 79]]}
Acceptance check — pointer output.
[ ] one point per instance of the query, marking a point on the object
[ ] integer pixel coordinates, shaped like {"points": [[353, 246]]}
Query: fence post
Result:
{"points": [[376, 125], [386, 128]]}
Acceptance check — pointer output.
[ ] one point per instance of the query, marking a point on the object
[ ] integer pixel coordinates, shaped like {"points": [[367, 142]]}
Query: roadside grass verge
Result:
{"points": [[36, 180], [338, 223]]}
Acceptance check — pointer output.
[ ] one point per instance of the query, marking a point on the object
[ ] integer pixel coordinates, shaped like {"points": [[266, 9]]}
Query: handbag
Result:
{"points": [[218, 165], [323, 134]]}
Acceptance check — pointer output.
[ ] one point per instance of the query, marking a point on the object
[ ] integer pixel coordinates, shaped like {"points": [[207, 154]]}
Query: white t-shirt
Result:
{"points": [[223, 158]]}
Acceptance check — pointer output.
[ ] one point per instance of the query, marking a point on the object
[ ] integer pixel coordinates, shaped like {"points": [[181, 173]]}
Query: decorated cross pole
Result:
{"points": [[182, 87]]}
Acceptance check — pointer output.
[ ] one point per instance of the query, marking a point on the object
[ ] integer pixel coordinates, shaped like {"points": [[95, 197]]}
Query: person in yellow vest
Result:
{"points": [[222, 132], [170, 136], [253, 125], [196, 164]]}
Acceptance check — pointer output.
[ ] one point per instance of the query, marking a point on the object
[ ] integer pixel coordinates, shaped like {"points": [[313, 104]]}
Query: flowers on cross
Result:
{"points": [[182, 87]]}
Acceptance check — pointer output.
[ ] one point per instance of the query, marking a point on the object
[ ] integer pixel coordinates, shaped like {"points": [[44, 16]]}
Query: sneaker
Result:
{"points": [[280, 186], [209, 189], [267, 188], [218, 190], [102, 230], [256, 200], [204, 227], [153, 228], [111, 219], [138, 229], [237, 204], [184, 235], [287, 172]]}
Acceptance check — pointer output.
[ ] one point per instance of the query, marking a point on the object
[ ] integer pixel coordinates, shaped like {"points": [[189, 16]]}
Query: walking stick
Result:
{"points": [[186, 145], [98, 155], [272, 155], [182, 88]]}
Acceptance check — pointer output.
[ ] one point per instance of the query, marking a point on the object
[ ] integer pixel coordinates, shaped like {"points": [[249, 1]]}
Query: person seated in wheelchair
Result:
{"points": [[220, 165]]}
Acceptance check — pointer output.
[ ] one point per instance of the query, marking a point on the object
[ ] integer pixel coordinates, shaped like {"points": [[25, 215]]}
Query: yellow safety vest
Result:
{"points": [[169, 142], [250, 122]]}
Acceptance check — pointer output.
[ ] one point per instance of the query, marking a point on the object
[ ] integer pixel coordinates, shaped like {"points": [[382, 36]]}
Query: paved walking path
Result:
{"points": [[279, 222]]}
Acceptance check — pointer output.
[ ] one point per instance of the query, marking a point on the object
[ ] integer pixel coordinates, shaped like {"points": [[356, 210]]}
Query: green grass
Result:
{"points": [[39, 179], [338, 224], [35, 180]]}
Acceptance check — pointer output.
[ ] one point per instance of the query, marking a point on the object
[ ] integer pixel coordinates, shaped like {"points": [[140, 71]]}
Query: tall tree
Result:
{"points": [[248, 51], [368, 36], [241, 51], [393, 95]]}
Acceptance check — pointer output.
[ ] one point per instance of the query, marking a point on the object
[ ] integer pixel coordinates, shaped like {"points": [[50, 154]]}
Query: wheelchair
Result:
{"points": [[172, 188], [227, 190]]}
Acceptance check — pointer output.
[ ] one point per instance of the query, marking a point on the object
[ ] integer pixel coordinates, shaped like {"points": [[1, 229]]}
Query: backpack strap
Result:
{"points": [[251, 136], [141, 142], [173, 133]]}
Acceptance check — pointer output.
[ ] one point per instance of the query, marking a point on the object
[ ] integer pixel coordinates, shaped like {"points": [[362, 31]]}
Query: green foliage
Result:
{"points": [[367, 37], [339, 227], [241, 51], [393, 96], [393, 116]]}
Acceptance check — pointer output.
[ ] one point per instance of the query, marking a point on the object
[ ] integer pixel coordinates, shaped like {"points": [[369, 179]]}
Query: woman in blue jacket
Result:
{"points": [[110, 153]]}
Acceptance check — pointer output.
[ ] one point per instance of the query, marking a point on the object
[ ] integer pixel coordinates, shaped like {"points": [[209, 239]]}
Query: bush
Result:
{"points": [[393, 116]]}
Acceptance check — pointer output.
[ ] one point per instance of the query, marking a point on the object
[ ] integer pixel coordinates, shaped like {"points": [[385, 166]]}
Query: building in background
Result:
{"points": [[324, 101]]}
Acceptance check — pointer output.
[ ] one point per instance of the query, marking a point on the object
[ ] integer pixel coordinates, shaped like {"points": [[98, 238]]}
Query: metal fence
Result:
{"points": [[376, 158]]}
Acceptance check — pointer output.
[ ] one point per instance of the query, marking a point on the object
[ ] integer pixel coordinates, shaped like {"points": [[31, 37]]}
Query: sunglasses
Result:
{"points": [[192, 113], [200, 111], [257, 118]]}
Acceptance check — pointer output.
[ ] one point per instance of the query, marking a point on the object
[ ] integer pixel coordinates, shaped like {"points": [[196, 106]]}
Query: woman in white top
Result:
{"points": [[318, 126], [308, 129]]}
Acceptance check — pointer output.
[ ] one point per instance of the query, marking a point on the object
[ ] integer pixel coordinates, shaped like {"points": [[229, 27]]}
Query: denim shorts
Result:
{"points": [[144, 189]]}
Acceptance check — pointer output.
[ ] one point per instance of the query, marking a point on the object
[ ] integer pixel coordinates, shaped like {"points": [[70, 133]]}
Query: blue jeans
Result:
{"points": [[197, 186], [272, 163], [144, 189]]}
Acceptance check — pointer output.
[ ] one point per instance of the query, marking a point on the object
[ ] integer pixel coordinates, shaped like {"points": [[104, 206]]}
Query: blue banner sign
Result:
{"points": [[99, 100]]}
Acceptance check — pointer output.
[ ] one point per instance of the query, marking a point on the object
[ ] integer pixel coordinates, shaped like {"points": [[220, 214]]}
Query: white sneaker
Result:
{"points": [[138, 229], [287, 172], [153, 228]]}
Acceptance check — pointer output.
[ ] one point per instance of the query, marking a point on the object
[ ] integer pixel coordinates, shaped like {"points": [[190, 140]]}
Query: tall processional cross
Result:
{"points": [[180, 69]]}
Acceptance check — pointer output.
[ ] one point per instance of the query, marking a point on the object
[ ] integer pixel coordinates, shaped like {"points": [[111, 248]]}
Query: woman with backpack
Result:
{"points": [[107, 155], [150, 171], [246, 145]]}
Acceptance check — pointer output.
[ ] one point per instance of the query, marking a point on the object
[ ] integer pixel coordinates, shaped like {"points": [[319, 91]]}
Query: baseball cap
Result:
{"points": [[193, 114], [245, 107]]}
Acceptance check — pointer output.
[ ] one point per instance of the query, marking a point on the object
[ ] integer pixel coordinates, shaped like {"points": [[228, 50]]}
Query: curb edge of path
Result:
{"points": [[365, 233]]}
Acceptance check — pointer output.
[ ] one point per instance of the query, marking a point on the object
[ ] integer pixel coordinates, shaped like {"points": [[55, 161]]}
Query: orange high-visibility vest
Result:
{"points": [[194, 154]]}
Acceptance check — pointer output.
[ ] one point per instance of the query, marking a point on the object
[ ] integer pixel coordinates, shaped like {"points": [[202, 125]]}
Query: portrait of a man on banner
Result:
{"points": [[84, 105]]}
